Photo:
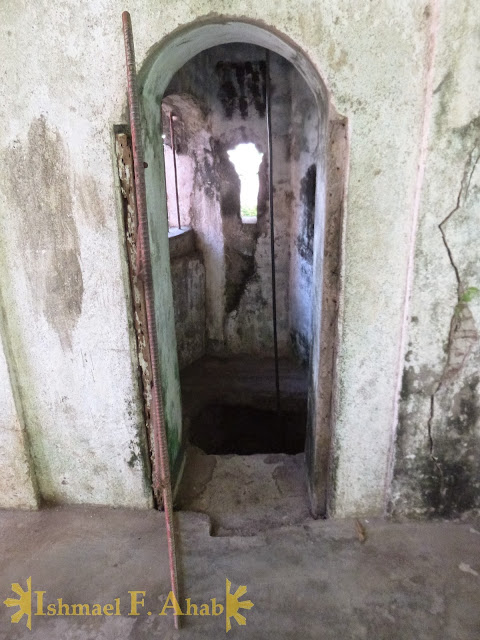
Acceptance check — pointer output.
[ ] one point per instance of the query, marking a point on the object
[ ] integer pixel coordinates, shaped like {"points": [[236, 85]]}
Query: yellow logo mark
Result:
{"points": [[24, 604], [233, 604], [24, 601]]}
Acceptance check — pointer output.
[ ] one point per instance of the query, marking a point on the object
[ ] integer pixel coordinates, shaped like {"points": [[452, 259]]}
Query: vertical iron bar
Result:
{"points": [[272, 227], [172, 139], [161, 464]]}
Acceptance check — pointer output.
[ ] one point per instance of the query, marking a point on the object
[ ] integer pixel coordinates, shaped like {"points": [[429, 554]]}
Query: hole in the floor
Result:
{"points": [[227, 429]]}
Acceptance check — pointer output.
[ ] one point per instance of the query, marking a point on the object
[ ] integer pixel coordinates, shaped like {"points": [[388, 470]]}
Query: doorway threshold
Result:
{"points": [[245, 494]]}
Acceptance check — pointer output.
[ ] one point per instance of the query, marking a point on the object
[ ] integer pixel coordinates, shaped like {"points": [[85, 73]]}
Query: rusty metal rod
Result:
{"points": [[272, 223], [172, 139], [161, 472]]}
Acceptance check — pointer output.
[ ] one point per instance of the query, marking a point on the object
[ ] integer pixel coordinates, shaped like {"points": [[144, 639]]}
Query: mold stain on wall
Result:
{"points": [[39, 184], [241, 84], [307, 198]]}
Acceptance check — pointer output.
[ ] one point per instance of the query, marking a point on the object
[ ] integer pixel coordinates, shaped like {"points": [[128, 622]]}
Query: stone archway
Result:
{"points": [[329, 178]]}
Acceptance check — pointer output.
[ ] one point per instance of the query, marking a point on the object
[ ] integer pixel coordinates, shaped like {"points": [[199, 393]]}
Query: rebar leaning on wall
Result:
{"points": [[161, 473]]}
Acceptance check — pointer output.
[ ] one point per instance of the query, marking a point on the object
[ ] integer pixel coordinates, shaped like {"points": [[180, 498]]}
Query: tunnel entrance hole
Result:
{"points": [[236, 429]]}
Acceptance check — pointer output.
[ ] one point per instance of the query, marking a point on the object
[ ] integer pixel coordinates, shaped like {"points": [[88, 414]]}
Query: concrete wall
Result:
{"points": [[225, 86], [188, 129], [437, 470], [64, 284], [304, 157], [17, 484], [188, 288]]}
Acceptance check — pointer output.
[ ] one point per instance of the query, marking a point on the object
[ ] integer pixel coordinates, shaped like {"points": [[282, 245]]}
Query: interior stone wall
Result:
{"points": [[226, 85], [187, 128], [305, 132], [188, 288]]}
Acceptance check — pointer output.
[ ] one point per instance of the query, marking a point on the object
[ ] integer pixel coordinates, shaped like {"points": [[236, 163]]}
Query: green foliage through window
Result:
{"points": [[248, 212]]}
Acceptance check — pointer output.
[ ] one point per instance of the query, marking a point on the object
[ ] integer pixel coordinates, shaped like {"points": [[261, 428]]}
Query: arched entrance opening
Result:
{"points": [[228, 265]]}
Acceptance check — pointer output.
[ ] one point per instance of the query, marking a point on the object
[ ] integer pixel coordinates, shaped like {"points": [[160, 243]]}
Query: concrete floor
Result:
{"points": [[410, 581], [244, 495]]}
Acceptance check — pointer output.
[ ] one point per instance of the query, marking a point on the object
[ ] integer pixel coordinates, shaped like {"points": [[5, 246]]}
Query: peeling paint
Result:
{"points": [[126, 176]]}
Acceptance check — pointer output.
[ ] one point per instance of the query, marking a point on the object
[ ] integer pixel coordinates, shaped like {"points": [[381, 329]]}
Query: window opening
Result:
{"points": [[246, 159]]}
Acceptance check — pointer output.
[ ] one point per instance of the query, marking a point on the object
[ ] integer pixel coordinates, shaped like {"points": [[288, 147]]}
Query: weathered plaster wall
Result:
{"points": [[188, 287], [437, 469], [64, 277], [305, 133], [226, 86], [16, 481], [187, 129]]}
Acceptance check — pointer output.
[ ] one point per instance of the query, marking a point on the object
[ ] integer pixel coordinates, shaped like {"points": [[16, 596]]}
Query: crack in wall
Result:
{"points": [[463, 332], [463, 191]]}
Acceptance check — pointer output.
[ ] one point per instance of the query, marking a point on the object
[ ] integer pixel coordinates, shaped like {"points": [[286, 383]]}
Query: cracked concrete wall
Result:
{"points": [[437, 470], [76, 375]]}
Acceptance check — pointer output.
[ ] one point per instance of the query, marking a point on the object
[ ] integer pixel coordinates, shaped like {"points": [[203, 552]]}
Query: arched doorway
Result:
{"points": [[328, 177]]}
